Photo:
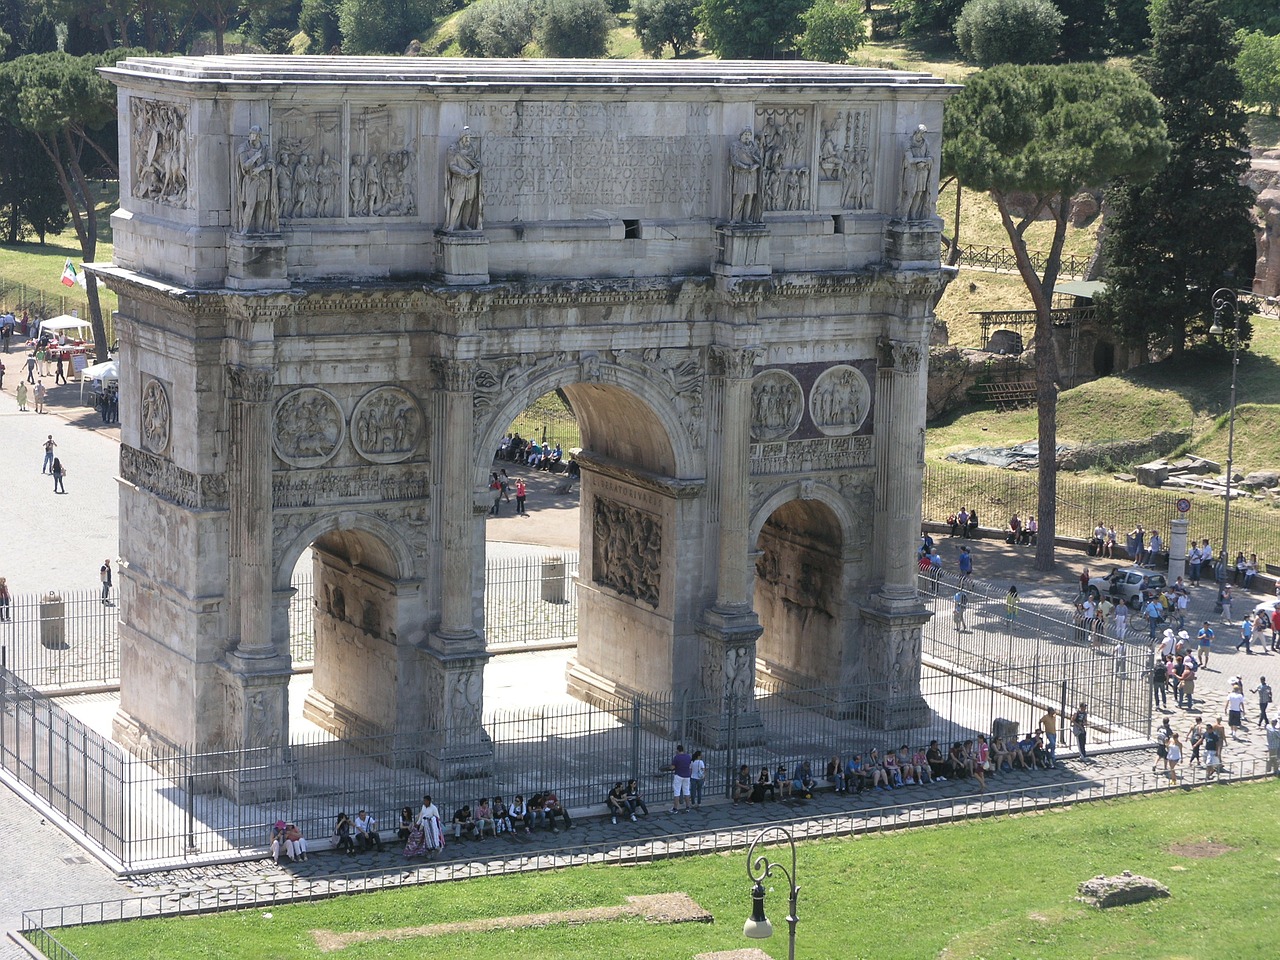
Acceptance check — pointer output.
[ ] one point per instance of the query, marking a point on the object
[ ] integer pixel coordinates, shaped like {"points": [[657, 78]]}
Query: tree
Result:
{"points": [[1085, 30], [1008, 31], [832, 30], [30, 197], [1259, 69], [496, 28], [574, 28], [1048, 131], [924, 18], [662, 22], [66, 104], [1172, 241], [383, 26], [751, 29], [1128, 27]]}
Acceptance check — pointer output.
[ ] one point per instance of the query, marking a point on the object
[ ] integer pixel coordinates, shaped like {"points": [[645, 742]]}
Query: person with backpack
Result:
{"points": [[1080, 728]]}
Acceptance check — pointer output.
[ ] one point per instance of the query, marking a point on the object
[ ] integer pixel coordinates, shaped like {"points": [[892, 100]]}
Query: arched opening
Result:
{"points": [[799, 570]]}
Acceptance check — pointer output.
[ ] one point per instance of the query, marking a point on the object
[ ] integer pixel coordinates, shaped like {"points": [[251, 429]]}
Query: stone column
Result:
{"points": [[250, 486], [730, 628], [1178, 547], [455, 456]]}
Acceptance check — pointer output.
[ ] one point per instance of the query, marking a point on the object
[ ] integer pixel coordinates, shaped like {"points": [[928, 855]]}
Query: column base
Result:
{"points": [[257, 262], [892, 668], [463, 257], [913, 243]]}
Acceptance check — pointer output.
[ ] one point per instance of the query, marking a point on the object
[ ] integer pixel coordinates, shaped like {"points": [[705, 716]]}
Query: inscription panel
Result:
{"points": [[568, 160], [806, 456]]}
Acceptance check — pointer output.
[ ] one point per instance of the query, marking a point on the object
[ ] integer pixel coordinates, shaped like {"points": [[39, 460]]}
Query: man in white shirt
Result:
{"points": [[1155, 547], [367, 832]]}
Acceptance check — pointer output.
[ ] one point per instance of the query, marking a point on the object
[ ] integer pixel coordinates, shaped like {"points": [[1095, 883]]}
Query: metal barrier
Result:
{"points": [[531, 600], [1000, 259], [38, 924]]}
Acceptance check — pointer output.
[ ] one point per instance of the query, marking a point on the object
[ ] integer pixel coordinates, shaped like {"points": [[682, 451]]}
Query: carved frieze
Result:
{"points": [[308, 427], [845, 156], [308, 145], [347, 485], [839, 401], [466, 688], [383, 162], [167, 480], [627, 550], [735, 363], [784, 134], [159, 140], [155, 424], [804, 456], [777, 404], [387, 425]]}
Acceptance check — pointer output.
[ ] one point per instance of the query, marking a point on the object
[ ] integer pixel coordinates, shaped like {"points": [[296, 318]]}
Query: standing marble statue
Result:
{"points": [[259, 210], [463, 185], [746, 162], [917, 171]]}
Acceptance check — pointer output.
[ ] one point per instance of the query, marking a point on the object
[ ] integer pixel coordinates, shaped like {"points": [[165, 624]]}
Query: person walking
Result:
{"points": [[960, 601], [521, 491], [965, 565], [1173, 757], [31, 367], [1011, 603], [1263, 690], [4, 600], [1205, 636], [104, 575], [58, 473], [49, 446], [1246, 635], [1160, 683], [21, 394], [40, 393], [59, 376]]}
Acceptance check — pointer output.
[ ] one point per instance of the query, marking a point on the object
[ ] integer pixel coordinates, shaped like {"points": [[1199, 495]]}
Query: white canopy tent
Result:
{"points": [[65, 324], [108, 373]]}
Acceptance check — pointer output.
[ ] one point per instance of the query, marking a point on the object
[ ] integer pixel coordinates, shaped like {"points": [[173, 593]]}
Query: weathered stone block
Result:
{"points": [[1104, 892]]}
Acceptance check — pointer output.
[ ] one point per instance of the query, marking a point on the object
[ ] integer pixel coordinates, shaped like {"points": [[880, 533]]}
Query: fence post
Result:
{"points": [[635, 737]]}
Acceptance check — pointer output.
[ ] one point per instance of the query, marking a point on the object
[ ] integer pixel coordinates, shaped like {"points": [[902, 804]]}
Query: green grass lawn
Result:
{"points": [[998, 888]]}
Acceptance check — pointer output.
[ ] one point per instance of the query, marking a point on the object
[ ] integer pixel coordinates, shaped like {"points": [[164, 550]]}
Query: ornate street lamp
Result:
{"points": [[1225, 299], [759, 869]]}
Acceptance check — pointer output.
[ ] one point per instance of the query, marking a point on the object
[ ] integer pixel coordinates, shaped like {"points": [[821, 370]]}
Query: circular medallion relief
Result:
{"points": [[156, 417], [387, 425], [840, 400], [777, 403], [308, 427]]}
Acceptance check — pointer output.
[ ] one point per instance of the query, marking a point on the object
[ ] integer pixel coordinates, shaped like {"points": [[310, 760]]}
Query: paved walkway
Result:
{"points": [[51, 541]]}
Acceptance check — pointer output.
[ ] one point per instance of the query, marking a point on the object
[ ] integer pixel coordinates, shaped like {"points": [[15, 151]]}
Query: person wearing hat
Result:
{"points": [[1169, 644]]}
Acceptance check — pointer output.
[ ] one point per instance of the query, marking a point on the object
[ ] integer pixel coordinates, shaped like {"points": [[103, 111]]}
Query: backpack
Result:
{"points": [[1211, 740]]}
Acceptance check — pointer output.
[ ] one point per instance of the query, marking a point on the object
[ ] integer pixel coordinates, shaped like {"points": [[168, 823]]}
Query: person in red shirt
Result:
{"points": [[1275, 629]]}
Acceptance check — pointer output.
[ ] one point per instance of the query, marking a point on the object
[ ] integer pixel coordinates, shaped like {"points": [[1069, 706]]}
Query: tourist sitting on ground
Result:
{"points": [[463, 822], [1040, 751], [615, 800], [294, 849], [1027, 747], [406, 824], [742, 785], [537, 813], [855, 778], [520, 813], [905, 766], [504, 449], [924, 771], [484, 818], [551, 459], [953, 522], [782, 782], [763, 787], [343, 834], [501, 817], [958, 762], [633, 799], [1029, 531], [937, 760], [834, 774], [367, 837], [802, 782], [1015, 530], [534, 455], [891, 771], [876, 771], [553, 809], [974, 765], [1018, 758], [1000, 755]]}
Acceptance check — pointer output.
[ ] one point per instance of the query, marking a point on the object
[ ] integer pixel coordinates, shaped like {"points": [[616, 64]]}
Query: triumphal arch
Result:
{"points": [[341, 278]]}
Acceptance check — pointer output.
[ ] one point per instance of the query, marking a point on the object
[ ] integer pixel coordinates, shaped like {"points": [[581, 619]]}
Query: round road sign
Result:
{"points": [[1184, 505]]}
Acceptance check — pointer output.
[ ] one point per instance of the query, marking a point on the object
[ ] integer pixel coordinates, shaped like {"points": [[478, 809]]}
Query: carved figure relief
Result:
{"points": [[777, 404], [159, 132], [462, 184], [308, 175], [844, 156], [386, 425], [917, 177], [840, 400], [257, 194], [156, 417], [308, 427], [784, 148], [464, 701], [739, 672], [383, 175], [746, 165], [627, 550]]}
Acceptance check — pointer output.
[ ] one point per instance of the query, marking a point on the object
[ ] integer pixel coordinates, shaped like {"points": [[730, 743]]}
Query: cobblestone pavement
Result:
{"points": [[65, 543]]}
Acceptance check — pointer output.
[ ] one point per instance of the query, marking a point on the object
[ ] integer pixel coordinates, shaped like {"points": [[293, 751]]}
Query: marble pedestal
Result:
{"points": [[910, 243], [742, 251], [257, 262], [463, 257]]}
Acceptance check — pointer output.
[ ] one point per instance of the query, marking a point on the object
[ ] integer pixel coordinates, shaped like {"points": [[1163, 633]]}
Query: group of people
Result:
{"points": [[501, 487], [540, 456], [964, 523], [1208, 741]]}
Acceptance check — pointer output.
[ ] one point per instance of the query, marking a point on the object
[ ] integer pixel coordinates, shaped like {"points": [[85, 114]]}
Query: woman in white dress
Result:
{"points": [[429, 820]]}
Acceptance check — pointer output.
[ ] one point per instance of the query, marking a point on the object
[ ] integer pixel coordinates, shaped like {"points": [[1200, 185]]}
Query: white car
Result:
{"points": [[1267, 606]]}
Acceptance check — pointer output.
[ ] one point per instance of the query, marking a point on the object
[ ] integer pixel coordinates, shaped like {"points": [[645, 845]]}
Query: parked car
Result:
{"points": [[1129, 585], [1267, 606]]}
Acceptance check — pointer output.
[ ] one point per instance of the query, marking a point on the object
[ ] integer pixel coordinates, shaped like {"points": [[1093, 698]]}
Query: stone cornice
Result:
{"points": [[663, 486]]}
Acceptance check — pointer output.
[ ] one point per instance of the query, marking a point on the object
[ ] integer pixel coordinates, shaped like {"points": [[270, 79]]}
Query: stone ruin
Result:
{"points": [[1103, 892]]}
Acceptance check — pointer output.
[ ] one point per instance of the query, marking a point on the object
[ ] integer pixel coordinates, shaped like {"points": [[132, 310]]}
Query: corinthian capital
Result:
{"points": [[249, 384], [735, 363]]}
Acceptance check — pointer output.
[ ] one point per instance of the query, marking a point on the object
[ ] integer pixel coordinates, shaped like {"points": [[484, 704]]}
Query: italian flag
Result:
{"points": [[69, 275]]}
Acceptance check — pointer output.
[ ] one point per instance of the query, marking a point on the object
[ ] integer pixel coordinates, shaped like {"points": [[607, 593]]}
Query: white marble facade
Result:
{"points": [[341, 277]]}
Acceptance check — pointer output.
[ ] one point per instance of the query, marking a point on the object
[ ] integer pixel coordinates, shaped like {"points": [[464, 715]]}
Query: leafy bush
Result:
{"points": [[496, 28], [661, 22], [574, 28], [1008, 31], [832, 30]]}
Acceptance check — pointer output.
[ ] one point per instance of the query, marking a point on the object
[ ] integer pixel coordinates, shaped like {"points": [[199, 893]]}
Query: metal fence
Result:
{"points": [[531, 600], [66, 639], [1083, 501], [41, 305], [1000, 259], [39, 926]]}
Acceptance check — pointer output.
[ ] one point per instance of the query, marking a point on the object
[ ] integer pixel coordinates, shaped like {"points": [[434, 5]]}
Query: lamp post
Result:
{"points": [[759, 869], [1225, 299]]}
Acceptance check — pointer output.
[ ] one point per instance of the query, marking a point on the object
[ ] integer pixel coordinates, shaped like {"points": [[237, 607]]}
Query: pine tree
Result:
{"points": [[1172, 240]]}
